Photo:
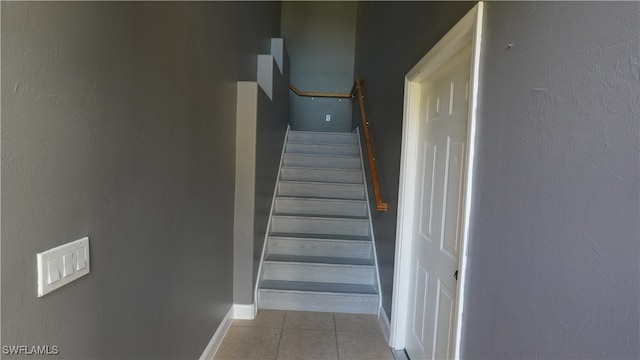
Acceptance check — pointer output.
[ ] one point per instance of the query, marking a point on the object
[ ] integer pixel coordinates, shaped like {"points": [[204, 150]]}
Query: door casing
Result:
{"points": [[467, 30]]}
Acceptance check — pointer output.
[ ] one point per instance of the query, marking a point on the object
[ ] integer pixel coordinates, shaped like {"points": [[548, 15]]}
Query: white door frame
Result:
{"points": [[467, 30]]}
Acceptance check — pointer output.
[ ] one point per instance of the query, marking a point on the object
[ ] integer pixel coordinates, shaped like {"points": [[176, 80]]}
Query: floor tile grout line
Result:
{"points": [[361, 331], [281, 333], [335, 332]]}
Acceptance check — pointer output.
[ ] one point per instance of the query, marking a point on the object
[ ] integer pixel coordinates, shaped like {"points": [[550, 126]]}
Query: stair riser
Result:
{"points": [[301, 301], [321, 175], [320, 207], [329, 162], [340, 150], [321, 198], [318, 247], [322, 138], [328, 273], [336, 191], [303, 225]]}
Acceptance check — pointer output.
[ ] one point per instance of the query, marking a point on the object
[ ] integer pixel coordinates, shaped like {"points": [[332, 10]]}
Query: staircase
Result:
{"points": [[319, 254]]}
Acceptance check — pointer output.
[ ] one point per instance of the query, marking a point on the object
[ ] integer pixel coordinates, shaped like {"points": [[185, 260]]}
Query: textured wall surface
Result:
{"points": [[320, 36], [118, 123], [554, 254], [554, 249], [391, 38]]}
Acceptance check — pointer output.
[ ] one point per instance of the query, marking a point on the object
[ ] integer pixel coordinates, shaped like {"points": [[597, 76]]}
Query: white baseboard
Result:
{"points": [[244, 312], [385, 324], [218, 336]]}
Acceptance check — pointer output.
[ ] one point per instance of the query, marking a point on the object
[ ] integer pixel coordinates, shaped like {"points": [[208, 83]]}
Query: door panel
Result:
{"points": [[442, 133], [444, 322], [422, 281], [449, 241], [428, 177]]}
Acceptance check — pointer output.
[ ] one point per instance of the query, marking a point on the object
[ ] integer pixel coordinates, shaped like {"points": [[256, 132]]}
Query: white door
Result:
{"points": [[435, 244]]}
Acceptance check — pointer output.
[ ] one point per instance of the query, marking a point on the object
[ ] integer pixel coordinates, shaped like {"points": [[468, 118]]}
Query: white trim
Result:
{"points": [[467, 30], [373, 238], [476, 43], [268, 230], [245, 312], [216, 340], [404, 223], [457, 38], [384, 323]]}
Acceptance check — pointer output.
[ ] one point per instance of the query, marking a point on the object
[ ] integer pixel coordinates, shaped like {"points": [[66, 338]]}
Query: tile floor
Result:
{"points": [[276, 334]]}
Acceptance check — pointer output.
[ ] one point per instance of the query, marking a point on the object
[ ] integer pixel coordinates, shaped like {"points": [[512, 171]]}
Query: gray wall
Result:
{"points": [[118, 123], [554, 241], [554, 257], [391, 38], [320, 37]]}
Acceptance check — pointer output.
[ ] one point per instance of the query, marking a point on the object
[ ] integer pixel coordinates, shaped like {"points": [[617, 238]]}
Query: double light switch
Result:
{"points": [[62, 264]]}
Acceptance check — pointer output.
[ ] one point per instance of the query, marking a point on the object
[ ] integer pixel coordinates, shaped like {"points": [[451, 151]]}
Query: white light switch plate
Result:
{"points": [[62, 264]]}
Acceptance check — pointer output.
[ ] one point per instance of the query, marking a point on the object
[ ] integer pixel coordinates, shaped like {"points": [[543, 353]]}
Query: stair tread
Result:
{"points": [[306, 286], [349, 157], [307, 142], [332, 260], [321, 132], [314, 216], [319, 216], [309, 182], [308, 168], [315, 198], [322, 175], [323, 138], [343, 146], [321, 189], [320, 236], [322, 197]]}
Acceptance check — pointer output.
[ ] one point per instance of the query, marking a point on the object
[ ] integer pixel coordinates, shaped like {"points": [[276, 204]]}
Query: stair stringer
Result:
{"points": [[268, 231], [372, 234]]}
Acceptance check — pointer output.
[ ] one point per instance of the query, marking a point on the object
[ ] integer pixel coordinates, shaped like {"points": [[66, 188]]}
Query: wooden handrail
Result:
{"points": [[320, 94], [356, 90], [380, 205]]}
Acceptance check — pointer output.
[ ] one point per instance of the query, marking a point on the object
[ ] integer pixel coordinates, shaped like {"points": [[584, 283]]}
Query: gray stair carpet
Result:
{"points": [[319, 254]]}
